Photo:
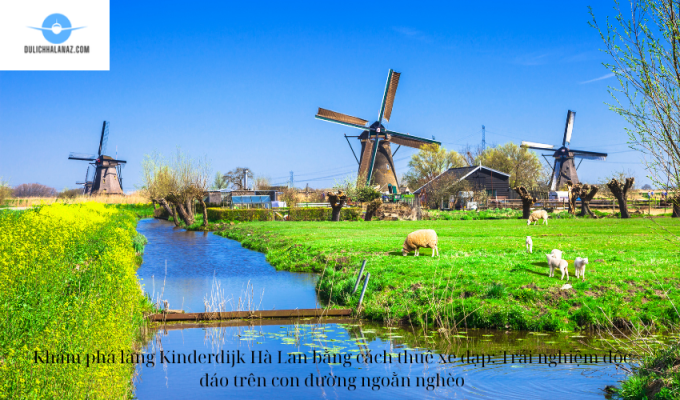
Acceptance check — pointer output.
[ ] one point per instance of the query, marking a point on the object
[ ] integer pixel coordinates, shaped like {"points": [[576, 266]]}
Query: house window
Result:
{"points": [[491, 192]]}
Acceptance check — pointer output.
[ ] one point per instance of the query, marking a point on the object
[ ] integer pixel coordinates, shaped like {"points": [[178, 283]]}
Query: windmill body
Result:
{"points": [[107, 177], [564, 167], [376, 164]]}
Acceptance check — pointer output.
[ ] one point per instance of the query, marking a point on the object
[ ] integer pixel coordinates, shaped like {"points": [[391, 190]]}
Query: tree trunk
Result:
{"points": [[205, 211], [574, 191], [189, 207], [153, 202], [372, 208], [170, 210], [186, 216], [675, 201], [587, 194], [620, 191], [527, 201], [175, 217], [337, 201]]}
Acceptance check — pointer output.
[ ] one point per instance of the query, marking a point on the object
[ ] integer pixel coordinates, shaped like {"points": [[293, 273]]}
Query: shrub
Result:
{"points": [[244, 215], [367, 194], [69, 193], [322, 214]]}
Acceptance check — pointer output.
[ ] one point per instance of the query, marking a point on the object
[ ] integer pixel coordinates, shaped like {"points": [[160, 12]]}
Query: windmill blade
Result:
{"points": [[409, 141], [104, 139], [589, 155], [339, 118], [114, 160], [388, 97], [82, 156], [372, 162], [568, 127], [537, 146], [555, 175]]}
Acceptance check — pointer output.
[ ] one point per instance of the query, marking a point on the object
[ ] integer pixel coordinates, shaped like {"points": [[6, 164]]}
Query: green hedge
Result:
{"points": [[322, 214], [227, 214]]}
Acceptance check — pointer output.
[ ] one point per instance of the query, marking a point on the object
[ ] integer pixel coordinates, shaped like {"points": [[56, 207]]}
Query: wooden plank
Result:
{"points": [[235, 323], [212, 316]]}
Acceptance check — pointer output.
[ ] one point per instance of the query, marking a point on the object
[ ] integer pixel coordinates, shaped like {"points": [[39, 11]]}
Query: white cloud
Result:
{"points": [[609, 75]]}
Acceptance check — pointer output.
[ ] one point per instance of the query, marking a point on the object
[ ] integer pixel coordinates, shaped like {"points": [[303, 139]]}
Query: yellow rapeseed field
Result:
{"points": [[67, 289]]}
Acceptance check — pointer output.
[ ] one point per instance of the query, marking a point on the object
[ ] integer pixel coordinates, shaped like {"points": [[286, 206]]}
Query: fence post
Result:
{"points": [[361, 299], [356, 285]]}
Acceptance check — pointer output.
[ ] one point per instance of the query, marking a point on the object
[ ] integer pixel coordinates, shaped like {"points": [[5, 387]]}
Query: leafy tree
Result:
{"points": [[367, 194], [523, 165], [220, 181], [430, 161], [644, 44], [5, 191]]}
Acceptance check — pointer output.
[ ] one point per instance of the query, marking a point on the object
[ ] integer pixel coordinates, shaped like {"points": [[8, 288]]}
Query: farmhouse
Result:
{"points": [[496, 183]]}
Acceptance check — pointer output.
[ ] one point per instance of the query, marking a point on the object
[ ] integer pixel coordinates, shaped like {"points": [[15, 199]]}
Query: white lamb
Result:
{"points": [[536, 215], [580, 267], [530, 244], [557, 253], [554, 262], [422, 238]]}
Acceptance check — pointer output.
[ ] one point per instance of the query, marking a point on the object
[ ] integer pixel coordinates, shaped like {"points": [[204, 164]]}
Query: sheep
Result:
{"points": [[536, 215], [555, 262], [418, 239], [529, 244], [557, 253], [580, 267]]}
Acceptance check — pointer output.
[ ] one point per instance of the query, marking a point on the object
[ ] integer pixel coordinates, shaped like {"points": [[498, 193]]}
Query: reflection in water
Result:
{"points": [[196, 260], [350, 363]]}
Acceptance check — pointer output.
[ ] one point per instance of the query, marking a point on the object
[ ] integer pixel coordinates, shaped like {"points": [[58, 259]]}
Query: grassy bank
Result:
{"points": [[484, 277], [68, 286], [657, 377]]}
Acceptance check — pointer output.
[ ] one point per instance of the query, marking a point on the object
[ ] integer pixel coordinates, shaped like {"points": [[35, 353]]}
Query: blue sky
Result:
{"points": [[240, 83]]}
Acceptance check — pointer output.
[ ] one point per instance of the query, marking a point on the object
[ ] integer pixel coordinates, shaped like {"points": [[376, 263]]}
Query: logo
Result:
{"points": [[56, 28]]}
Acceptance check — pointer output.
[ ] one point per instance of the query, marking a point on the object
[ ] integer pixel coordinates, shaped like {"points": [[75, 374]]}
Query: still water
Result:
{"points": [[267, 359]]}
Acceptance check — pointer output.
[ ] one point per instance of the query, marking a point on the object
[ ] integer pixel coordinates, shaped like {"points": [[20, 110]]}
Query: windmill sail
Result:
{"points": [[390, 92], [589, 155], [569, 126], [538, 146], [408, 140], [82, 156], [104, 140], [339, 118]]}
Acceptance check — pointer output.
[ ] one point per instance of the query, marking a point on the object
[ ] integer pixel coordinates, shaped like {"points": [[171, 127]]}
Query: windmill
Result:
{"points": [[107, 178], [376, 164], [564, 168], [87, 183]]}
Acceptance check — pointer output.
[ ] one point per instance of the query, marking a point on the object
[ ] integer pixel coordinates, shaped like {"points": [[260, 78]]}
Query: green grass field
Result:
{"points": [[485, 277]]}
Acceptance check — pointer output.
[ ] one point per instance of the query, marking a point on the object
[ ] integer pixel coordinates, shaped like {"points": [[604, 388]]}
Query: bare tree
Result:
{"points": [[644, 44], [237, 178], [620, 191], [176, 185], [527, 200], [587, 193], [337, 201], [34, 190]]}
